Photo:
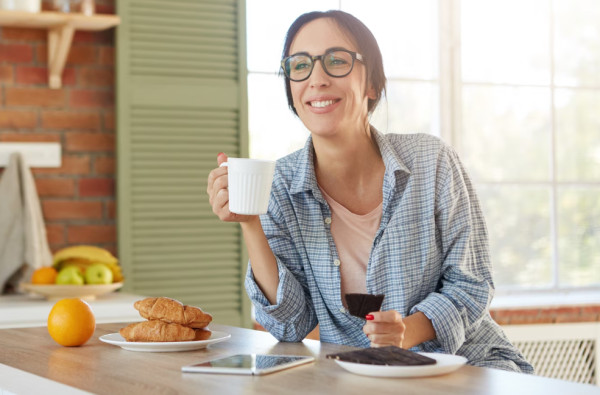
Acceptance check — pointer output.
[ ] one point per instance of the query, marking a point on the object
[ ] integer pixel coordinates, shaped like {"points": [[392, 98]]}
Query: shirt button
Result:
{"points": [[336, 262], [327, 220], [342, 310]]}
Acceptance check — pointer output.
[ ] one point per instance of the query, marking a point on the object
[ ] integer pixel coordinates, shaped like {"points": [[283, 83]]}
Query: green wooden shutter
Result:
{"points": [[181, 99]]}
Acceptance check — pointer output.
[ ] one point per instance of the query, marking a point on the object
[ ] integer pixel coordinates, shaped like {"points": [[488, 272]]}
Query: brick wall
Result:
{"points": [[547, 315], [78, 199]]}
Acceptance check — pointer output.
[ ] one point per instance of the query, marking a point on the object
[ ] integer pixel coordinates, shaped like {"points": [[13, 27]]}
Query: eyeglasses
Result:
{"points": [[336, 62]]}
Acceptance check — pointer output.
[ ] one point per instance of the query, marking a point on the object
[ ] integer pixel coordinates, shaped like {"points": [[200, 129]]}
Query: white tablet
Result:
{"points": [[252, 364]]}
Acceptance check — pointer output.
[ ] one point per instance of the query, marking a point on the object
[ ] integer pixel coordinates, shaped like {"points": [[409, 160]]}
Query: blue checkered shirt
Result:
{"points": [[430, 254]]}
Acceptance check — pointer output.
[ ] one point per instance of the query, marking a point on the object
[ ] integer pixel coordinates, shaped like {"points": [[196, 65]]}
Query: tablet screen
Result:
{"points": [[249, 364]]}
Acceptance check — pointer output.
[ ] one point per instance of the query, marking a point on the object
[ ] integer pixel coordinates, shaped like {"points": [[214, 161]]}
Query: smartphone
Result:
{"points": [[250, 364]]}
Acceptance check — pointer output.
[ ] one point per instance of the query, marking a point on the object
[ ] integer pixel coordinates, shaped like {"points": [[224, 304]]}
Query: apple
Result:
{"points": [[70, 275], [98, 273]]}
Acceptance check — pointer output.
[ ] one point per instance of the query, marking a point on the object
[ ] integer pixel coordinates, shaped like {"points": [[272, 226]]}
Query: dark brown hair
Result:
{"points": [[363, 38]]}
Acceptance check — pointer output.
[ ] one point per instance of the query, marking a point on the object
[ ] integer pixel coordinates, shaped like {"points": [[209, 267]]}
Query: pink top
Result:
{"points": [[353, 235]]}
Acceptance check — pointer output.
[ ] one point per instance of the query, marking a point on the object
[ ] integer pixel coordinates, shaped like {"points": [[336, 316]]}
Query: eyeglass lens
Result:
{"points": [[335, 63]]}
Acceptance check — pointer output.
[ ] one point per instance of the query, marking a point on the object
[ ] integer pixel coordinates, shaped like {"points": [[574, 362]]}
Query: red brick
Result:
{"points": [[502, 321], [96, 77], [567, 310], [501, 313], [69, 120], [39, 75], [16, 120], [89, 141], [109, 120], [70, 165], [55, 233], [22, 34], [111, 209], [590, 310], [82, 54], [105, 8], [89, 187], [78, 55], [91, 234], [55, 187], [67, 209], [32, 75], [104, 165], [101, 37], [35, 97], [6, 74], [17, 137], [106, 56], [16, 53], [92, 98]]}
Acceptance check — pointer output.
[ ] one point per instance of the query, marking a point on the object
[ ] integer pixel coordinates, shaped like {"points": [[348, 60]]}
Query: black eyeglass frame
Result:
{"points": [[355, 56]]}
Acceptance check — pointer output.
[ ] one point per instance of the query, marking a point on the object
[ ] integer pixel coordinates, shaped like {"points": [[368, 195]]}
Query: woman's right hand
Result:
{"points": [[218, 194]]}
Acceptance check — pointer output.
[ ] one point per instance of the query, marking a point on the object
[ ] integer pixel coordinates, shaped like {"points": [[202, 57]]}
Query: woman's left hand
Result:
{"points": [[386, 328]]}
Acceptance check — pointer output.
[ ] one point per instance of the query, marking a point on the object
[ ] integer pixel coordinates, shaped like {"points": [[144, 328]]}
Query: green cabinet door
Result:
{"points": [[181, 99]]}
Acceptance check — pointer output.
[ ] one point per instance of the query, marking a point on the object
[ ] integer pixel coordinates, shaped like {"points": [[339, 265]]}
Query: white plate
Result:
{"points": [[56, 291], [446, 363], [118, 340]]}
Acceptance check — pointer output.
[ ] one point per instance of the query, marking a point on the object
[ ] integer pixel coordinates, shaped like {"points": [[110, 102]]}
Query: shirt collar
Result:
{"points": [[305, 179], [390, 157]]}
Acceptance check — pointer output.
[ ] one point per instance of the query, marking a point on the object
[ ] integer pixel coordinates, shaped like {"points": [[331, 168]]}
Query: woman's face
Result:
{"points": [[327, 105]]}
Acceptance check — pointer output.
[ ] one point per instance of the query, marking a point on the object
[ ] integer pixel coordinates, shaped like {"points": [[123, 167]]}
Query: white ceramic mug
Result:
{"points": [[249, 185]]}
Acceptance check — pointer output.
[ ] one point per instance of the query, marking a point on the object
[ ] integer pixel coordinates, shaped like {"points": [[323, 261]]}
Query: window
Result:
{"points": [[512, 85]]}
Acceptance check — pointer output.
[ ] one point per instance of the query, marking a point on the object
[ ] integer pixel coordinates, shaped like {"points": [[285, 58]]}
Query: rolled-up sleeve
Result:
{"points": [[466, 288], [293, 316]]}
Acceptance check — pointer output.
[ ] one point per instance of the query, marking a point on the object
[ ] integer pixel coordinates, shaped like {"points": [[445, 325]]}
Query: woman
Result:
{"points": [[356, 211]]}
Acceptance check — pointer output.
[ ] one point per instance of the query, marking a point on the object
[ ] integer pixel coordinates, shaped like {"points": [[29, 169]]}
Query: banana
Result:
{"points": [[84, 252], [83, 256]]}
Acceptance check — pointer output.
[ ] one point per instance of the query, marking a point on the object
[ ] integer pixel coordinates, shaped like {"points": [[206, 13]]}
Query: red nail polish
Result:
{"points": [[369, 317]]}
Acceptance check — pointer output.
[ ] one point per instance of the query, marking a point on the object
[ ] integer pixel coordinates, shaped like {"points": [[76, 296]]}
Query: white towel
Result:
{"points": [[23, 242]]}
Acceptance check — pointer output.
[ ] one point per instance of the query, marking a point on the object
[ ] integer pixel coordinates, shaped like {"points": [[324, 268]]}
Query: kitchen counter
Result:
{"points": [[21, 311], [30, 362]]}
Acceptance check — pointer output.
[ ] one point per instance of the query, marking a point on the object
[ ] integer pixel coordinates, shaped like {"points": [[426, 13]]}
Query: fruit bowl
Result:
{"points": [[87, 292]]}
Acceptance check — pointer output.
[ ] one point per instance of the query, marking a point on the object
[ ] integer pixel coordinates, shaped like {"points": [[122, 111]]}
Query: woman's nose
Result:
{"points": [[319, 77]]}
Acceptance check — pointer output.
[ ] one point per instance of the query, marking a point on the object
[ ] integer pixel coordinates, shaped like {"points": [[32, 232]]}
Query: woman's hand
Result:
{"points": [[385, 328], [218, 194]]}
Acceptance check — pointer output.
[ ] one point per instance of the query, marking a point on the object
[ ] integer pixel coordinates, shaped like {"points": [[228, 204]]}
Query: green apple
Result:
{"points": [[70, 275], [98, 273]]}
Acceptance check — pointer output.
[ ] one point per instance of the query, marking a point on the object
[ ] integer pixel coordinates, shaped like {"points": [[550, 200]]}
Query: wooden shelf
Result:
{"points": [[61, 27]]}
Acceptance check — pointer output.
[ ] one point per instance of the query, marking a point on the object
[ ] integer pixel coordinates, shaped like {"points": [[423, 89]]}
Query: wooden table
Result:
{"points": [[30, 362]]}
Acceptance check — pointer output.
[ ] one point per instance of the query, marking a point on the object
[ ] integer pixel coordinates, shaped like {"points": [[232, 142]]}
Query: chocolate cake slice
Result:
{"points": [[390, 355], [360, 305]]}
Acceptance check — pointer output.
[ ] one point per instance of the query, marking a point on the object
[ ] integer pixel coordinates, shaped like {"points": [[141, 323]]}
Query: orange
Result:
{"points": [[44, 275], [71, 322]]}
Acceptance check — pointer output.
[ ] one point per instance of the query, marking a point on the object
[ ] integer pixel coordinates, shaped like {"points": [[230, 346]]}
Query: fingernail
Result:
{"points": [[369, 317]]}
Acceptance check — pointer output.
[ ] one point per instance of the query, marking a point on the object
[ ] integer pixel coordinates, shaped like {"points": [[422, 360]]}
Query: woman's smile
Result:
{"points": [[323, 104]]}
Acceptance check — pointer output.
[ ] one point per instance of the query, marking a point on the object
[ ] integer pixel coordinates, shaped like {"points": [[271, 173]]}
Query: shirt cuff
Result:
{"points": [[290, 297], [446, 320]]}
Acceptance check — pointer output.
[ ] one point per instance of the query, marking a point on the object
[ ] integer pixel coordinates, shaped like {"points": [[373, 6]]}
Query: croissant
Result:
{"points": [[157, 331], [172, 311], [202, 334]]}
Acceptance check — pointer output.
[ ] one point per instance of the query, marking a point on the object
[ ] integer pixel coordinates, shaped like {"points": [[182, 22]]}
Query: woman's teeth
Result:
{"points": [[323, 103]]}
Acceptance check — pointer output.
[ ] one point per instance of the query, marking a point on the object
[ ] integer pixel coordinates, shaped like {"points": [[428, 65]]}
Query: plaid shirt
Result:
{"points": [[430, 254]]}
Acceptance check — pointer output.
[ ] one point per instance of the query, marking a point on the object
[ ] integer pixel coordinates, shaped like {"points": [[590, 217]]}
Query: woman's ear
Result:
{"points": [[371, 94]]}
